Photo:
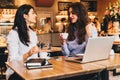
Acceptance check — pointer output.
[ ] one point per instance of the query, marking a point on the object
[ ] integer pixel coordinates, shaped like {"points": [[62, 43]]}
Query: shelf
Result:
{"points": [[6, 24], [59, 17], [8, 7]]}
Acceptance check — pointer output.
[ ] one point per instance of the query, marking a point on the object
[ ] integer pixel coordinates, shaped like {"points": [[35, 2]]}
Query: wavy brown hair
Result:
{"points": [[78, 27]]}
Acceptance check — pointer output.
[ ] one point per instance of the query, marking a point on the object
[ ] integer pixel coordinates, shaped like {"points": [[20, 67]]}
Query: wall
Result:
{"points": [[47, 38], [101, 5], [53, 9]]}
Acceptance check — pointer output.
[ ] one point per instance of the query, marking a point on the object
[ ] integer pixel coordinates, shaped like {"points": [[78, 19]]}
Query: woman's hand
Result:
{"points": [[63, 37], [33, 50]]}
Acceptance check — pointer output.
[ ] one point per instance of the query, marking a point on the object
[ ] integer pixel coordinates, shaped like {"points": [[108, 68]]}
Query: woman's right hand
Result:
{"points": [[63, 37]]}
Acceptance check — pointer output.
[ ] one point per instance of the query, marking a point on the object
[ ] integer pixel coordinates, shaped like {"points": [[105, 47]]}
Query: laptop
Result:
{"points": [[96, 49]]}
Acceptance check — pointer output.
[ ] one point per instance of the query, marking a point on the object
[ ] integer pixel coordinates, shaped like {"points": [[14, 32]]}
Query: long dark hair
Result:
{"points": [[79, 26], [20, 23]]}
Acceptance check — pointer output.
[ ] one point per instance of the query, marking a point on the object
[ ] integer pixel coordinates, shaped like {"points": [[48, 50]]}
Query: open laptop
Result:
{"points": [[96, 49]]}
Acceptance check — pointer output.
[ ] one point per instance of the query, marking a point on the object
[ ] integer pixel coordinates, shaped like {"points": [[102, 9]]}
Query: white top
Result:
{"points": [[17, 49]]}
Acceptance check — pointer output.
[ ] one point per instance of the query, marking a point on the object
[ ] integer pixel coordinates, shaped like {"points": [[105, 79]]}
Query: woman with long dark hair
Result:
{"points": [[22, 40], [79, 30]]}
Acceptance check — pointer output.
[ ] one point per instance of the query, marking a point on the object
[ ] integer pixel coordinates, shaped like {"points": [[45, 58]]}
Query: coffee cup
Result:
{"points": [[112, 52], [64, 35], [44, 55]]}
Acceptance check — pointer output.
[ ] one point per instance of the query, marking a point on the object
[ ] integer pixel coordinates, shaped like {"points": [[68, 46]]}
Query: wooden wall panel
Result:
{"points": [[44, 3]]}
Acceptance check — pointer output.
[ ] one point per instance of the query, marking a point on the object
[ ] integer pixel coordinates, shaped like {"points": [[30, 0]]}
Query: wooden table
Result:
{"points": [[64, 69], [61, 69], [112, 63], [116, 42]]}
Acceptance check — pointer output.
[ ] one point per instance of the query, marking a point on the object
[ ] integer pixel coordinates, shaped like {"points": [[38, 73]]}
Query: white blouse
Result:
{"points": [[16, 48]]}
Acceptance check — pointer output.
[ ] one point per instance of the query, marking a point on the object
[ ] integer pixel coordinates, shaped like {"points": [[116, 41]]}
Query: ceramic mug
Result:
{"points": [[64, 35], [44, 55]]}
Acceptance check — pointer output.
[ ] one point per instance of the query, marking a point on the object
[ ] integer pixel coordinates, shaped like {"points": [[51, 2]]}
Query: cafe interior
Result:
{"points": [[56, 11]]}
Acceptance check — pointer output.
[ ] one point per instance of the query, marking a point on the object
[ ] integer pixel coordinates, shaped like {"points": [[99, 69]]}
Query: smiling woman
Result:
{"points": [[25, 47]]}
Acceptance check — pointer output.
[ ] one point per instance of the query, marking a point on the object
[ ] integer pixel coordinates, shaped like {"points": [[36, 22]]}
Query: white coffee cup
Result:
{"points": [[64, 35], [112, 52], [44, 55]]}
